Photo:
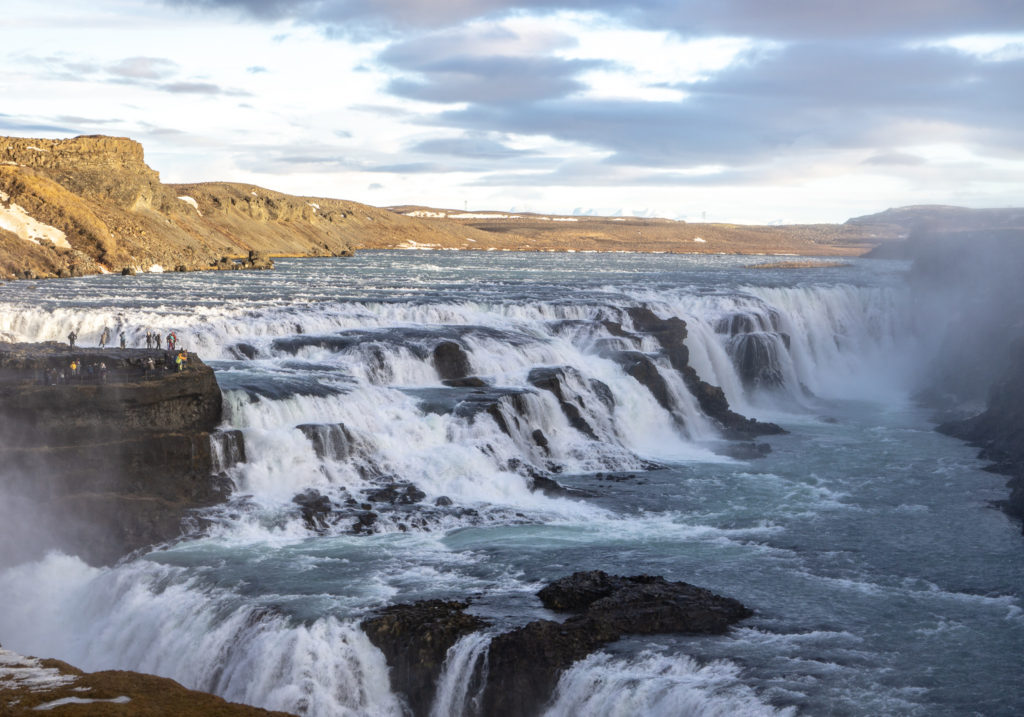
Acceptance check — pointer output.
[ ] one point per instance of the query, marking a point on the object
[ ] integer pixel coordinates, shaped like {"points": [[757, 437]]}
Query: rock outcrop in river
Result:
{"points": [[105, 458], [524, 664]]}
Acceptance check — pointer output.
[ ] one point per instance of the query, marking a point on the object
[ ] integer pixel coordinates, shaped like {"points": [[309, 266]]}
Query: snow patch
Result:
{"points": [[316, 207], [36, 149], [410, 244], [155, 269], [15, 219], [17, 671], [46, 706], [700, 241], [192, 202], [426, 215]]}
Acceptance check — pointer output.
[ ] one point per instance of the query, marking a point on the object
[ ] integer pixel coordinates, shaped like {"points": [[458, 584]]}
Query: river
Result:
{"points": [[882, 580]]}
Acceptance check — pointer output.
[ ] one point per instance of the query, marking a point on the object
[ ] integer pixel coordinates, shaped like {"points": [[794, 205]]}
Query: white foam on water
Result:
{"points": [[656, 685]]}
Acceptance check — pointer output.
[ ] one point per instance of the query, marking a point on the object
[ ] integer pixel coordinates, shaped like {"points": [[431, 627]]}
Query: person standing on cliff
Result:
{"points": [[122, 339], [72, 337], [149, 339], [104, 337]]}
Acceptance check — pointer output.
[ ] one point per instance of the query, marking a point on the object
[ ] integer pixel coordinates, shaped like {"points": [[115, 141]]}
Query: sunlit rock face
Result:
{"points": [[105, 458]]}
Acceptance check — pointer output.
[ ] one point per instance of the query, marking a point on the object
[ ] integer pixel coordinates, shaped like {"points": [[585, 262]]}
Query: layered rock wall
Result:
{"points": [[107, 461]]}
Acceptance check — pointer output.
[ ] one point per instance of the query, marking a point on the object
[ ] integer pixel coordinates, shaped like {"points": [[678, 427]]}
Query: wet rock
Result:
{"points": [[642, 368], [524, 665], [999, 430], [113, 465], [547, 486], [442, 501], [451, 360], [670, 333], [397, 494], [603, 393], [466, 382], [756, 358], [553, 379], [714, 404], [245, 350], [415, 640], [232, 447], [364, 522], [316, 508], [540, 439]]}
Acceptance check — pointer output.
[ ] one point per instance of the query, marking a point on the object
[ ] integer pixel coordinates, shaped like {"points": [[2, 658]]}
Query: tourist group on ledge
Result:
{"points": [[175, 358]]}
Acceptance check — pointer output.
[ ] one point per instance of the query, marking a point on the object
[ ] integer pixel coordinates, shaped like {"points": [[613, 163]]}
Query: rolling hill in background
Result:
{"points": [[91, 205]]}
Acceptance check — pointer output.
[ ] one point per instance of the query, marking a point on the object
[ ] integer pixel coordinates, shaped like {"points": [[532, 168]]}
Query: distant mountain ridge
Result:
{"points": [[929, 217]]}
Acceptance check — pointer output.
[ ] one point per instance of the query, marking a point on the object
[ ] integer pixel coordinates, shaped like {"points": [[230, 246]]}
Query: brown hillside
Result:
{"points": [[98, 195], [537, 232]]}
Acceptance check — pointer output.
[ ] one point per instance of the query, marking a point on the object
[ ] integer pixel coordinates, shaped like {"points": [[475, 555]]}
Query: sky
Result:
{"points": [[746, 111]]}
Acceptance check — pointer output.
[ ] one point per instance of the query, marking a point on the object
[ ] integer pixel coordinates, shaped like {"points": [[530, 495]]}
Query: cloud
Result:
{"points": [[256, 70], [801, 98], [491, 65], [198, 88], [895, 159], [74, 120], [781, 19], [17, 124], [143, 68], [470, 147]]}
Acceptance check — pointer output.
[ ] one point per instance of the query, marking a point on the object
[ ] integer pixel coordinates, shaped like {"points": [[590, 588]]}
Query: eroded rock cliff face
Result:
{"points": [[91, 204], [107, 461], [999, 430]]}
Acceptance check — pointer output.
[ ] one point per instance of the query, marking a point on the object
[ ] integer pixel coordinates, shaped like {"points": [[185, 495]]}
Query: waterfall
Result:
{"points": [[353, 462], [462, 681]]}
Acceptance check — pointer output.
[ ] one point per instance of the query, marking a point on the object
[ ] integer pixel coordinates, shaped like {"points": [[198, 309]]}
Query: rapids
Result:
{"points": [[882, 581]]}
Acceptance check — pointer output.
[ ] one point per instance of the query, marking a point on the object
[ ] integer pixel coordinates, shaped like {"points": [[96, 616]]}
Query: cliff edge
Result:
{"points": [[101, 452], [91, 205]]}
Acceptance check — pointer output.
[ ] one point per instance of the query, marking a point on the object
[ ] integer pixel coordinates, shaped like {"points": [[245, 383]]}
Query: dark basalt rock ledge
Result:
{"points": [[524, 664], [107, 461]]}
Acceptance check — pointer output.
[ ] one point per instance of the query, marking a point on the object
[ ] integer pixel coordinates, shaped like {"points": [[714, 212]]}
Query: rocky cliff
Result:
{"points": [[999, 430], [91, 204], [105, 458]]}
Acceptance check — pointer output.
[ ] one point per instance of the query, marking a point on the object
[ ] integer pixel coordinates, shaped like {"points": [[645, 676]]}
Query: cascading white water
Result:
{"points": [[657, 686], [465, 665], [301, 367]]}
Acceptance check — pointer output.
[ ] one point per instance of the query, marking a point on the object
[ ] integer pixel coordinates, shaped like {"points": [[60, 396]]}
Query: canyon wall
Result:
{"points": [[105, 459]]}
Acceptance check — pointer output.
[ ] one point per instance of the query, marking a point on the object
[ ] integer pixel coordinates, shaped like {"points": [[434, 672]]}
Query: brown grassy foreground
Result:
{"points": [[136, 695]]}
